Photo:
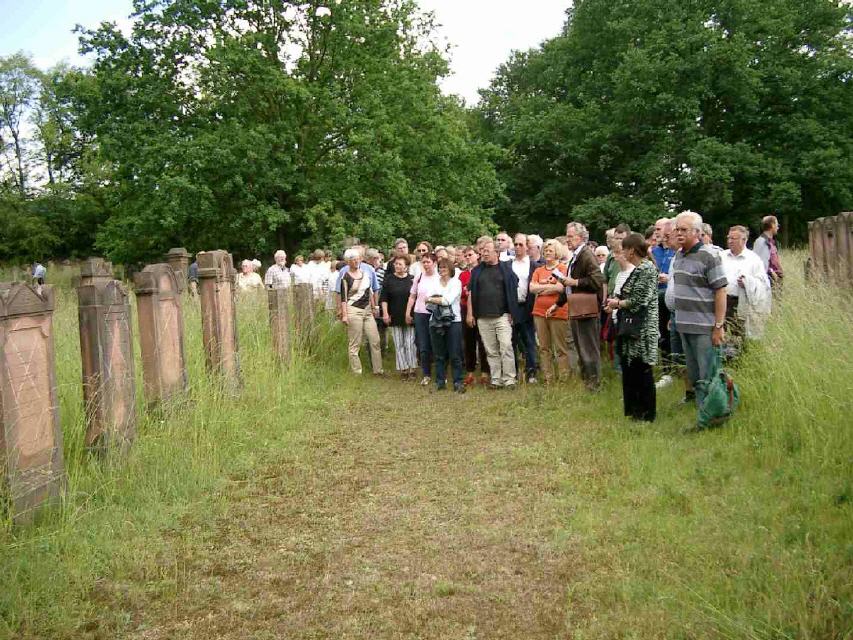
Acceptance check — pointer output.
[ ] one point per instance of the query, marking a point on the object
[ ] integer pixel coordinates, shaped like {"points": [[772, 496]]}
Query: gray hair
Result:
{"points": [[371, 253], [351, 254], [536, 240], [707, 230], [579, 228], [280, 252], [694, 218]]}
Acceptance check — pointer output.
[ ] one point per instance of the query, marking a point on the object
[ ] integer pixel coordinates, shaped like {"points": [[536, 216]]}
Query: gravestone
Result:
{"points": [[303, 313], [279, 302], [161, 333], [31, 463], [179, 259], [219, 313], [106, 350]]}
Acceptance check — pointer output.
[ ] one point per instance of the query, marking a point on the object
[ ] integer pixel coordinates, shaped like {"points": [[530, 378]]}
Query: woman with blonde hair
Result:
{"points": [[553, 331]]}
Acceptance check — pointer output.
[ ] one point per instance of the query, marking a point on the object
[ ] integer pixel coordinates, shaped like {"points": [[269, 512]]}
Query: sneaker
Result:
{"points": [[425, 381], [469, 380], [532, 380], [492, 386], [664, 381], [380, 374], [459, 388]]}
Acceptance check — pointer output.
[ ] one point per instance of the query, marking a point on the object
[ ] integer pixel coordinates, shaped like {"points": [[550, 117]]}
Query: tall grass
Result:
{"points": [[111, 519]]}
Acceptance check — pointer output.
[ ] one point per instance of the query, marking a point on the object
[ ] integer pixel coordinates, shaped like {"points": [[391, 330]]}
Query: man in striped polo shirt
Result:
{"points": [[699, 288]]}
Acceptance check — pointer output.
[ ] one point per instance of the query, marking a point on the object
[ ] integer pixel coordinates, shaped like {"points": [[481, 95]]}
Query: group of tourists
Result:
{"points": [[523, 309]]}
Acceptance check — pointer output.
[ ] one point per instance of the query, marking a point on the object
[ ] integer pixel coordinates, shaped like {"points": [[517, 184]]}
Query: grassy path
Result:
{"points": [[401, 520]]}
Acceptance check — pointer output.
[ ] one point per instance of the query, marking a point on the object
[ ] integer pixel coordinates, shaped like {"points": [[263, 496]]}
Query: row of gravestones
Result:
{"points": [[31, 459]]}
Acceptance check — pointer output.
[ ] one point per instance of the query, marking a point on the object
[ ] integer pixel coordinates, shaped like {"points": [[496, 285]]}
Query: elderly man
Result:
{"points": [[584, 277], [766, 249], [534, 250], [748, 290], [278, 275], [699, 293], [358, 291], [523, 331], [492, 307]]}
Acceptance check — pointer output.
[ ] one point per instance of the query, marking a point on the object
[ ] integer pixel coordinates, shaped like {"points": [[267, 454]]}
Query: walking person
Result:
{"points": [[493, 304], [418, 315], [553, 332], [637, 299], [445, 326], [393, 300], [358, 300]]}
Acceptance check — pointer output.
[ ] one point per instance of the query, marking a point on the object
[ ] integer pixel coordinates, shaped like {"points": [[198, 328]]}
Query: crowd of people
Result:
{"points": [[523, 309]]}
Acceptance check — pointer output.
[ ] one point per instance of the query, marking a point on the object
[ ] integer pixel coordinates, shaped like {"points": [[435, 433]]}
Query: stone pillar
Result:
{"points": [[31, 460], [303, 313], [279, 306], [161, 333], [219, 313], [95, 271], [106, 350], [179, 259]]}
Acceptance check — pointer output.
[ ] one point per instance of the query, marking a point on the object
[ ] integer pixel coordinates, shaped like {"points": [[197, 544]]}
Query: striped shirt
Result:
{"points": [[696, 275]]}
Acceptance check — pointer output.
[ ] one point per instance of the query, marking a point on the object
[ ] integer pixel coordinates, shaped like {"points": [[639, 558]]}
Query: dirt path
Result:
{"points": [[398, 522]]}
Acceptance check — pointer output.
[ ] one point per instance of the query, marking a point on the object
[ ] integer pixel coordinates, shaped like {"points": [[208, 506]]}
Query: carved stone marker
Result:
{"points": [[279, 301], [179, 259], [303, 312], [106, 350], [219, 313], [31, 461], [161, 332]]}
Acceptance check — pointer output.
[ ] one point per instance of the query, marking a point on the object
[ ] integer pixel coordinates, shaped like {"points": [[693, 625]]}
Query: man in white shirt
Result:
{"points": [[504, 247], [524, 332], [748, 296]]}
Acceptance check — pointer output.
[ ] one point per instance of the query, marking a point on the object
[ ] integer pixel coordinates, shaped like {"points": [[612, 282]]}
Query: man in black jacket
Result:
{"points": [[493, 306]]}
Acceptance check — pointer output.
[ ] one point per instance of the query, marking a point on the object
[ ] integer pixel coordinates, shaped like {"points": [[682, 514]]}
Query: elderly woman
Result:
{"points": [[553, 331], [636, 308], [418, 315], [394, 299], [445, 326], [601, 253], [358, 300], [247, 279]]}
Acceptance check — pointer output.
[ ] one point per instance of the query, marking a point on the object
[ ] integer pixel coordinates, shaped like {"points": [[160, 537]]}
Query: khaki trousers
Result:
{"points": [[361, 323], [553, 336], [496, 334]]}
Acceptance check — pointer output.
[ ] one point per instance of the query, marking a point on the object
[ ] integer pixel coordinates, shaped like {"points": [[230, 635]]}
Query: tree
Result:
{"points": [[19, 86], [732, 108], [252, 125]]}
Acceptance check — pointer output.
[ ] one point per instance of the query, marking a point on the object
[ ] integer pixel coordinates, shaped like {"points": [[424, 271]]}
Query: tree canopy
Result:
{"points": [[733, 108], [252, 125]]}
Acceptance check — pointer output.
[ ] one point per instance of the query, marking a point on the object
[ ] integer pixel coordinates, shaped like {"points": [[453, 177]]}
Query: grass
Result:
{"points": [[614, 530]]}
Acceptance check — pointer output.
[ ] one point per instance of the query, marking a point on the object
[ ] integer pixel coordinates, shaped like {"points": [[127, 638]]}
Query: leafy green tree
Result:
{"points": [[19, 87], [729, 107], [252, 125]]}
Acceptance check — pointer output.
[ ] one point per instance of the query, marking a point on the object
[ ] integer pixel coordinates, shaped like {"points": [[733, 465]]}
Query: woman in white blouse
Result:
{"points": [[445, 326]]}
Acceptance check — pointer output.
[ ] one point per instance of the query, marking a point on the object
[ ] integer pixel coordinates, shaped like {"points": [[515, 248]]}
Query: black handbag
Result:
{"points": [[629, 324]]}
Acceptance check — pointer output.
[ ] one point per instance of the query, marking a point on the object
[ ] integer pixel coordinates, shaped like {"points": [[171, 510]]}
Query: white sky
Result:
{"points": [[481, 32]]}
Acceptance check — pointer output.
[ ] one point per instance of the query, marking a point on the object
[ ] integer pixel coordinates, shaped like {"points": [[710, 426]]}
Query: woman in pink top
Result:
{"points": [[417, 314]]}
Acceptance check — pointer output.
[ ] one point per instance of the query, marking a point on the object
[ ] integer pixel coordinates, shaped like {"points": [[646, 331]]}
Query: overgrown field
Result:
{"points": [[542, 510]]}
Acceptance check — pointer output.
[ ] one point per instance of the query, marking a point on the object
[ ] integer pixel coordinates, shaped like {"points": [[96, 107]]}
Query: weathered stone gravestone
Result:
{"points": [[219, 313], [161, 333], [179, 259], [279, 301], [303, 312], [31, 463], [106, 350], [831, 247]]}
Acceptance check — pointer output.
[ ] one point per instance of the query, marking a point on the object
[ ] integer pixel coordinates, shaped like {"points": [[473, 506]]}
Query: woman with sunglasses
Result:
{"points": [[422, 248]]}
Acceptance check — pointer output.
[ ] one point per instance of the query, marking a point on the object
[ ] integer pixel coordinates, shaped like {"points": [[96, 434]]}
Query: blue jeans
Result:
{"points": [[422, 340], [524, 340], [696, 347], [447, 346]]}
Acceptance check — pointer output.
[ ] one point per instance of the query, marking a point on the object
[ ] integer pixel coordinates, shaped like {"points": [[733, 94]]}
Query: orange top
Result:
{"points": [[542, 275]]}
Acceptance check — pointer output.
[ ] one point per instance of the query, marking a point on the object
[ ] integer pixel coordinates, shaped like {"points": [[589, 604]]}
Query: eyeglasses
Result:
{"points": [[682, 229], [520, 244]]}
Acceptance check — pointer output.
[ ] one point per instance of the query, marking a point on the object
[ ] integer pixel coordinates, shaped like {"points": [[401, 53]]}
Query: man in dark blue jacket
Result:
{"points": [[493, 307]]}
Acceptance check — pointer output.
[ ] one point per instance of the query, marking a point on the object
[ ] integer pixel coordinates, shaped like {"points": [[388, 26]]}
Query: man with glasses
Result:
{"points": [[699, 291], [523, 332]]}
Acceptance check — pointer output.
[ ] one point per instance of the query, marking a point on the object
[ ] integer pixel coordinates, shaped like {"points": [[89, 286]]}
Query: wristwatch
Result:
{"points": [[719, 325]]}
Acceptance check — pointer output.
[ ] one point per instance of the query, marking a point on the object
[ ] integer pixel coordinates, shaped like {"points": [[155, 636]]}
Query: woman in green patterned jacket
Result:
{"points": [[638, 300]]}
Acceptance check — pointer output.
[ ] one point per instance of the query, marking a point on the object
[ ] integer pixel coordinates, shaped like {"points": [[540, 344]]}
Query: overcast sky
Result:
{"points": [[482, 33]]}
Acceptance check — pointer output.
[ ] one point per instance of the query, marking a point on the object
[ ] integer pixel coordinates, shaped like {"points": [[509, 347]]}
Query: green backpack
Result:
{"points": [[722, 395]]}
